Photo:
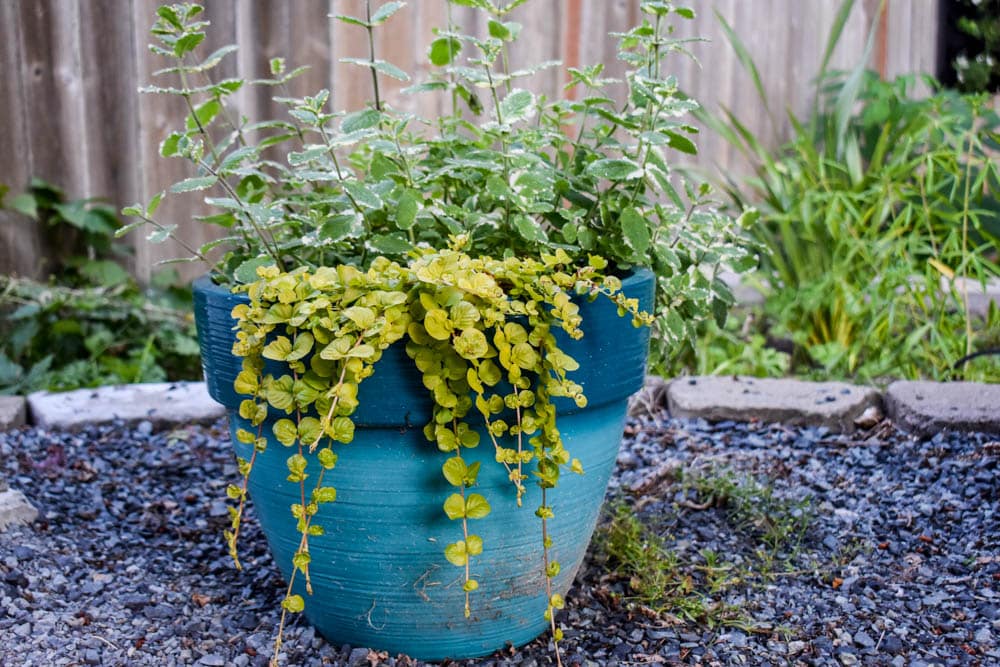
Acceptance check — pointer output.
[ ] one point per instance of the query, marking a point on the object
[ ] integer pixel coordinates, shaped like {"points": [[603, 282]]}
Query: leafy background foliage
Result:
{"points": [[90, 324], [877, 219], [977, 65]]}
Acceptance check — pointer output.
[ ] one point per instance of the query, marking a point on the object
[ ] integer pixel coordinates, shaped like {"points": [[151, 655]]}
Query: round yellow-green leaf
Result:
{"points": [[454, 507], [327, 458], [471, 344], [454, 470], [293, 603], [456, 554], [464, 315], [285, 432], [278, 349], [476, 506], [437, 324], [524, 356], [246, 383], [310, 430]]}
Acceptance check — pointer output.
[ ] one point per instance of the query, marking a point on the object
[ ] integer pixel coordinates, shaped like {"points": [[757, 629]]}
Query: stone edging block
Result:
{"points": [[13, 412], [162, 404], [834, 405], [929, 407]]}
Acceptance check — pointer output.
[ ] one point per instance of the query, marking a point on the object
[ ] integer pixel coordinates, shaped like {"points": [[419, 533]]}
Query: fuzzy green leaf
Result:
{"points": [[406, 209], [443, 51], [615, 169], [195, 183], [385, 11], [635, 231], [516, 106]]}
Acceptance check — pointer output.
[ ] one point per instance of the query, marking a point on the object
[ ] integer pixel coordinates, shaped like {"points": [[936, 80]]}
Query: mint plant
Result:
{"points": [[321, 187]]}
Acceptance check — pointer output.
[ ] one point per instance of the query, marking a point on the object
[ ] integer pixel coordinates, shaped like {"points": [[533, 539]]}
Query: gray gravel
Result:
{"points": [[899, 566]]}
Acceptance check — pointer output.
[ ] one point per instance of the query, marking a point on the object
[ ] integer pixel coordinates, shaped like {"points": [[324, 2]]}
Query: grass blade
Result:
{"points": [[747, 61], [831, 43]]}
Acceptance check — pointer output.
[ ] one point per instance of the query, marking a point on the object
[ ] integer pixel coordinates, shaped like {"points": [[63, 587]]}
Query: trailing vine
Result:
{"points": [[482, 333]]}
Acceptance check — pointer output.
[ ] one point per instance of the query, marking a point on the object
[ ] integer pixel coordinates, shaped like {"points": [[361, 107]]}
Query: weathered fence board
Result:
{"points": [[70, 113]]}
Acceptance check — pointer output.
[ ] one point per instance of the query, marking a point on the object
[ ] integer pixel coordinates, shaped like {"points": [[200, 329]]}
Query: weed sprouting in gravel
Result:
{"points": [[657, 577], [777, 522], [661, 577]]}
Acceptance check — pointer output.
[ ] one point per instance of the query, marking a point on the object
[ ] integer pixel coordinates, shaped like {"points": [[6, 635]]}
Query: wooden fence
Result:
{"points": [[70, 112]]}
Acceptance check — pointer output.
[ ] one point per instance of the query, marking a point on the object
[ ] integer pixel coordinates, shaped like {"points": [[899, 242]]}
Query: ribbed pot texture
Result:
{"points": [[379, 575]]}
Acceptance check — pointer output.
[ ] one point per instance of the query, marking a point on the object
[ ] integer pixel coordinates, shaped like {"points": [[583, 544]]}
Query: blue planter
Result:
{"points": [[379, 574]]}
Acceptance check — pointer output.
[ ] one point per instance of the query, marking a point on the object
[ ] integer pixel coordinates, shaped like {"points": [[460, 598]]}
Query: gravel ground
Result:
{"points": [[900, 563]]}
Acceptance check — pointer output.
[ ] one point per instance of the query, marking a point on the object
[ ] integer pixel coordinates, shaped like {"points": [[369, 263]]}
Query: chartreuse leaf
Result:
{"points": [[309, 430], [454, 470], [454, 506], [293, 603], [285, 431], [301, 560], [438, 325], [327, 458], [457, 553], [246, 383], [324, 494], [476, 506], [279, 349]]}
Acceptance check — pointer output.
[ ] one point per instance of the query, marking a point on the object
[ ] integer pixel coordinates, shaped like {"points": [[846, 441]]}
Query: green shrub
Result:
{"points": [[90, 324], [868, 215]]}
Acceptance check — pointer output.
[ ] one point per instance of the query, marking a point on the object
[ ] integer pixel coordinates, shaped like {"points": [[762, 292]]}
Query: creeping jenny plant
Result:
{"points": [[481, 331], [461, 237]]}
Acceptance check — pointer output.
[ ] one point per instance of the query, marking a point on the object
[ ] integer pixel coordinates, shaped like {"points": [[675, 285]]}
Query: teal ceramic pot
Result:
{"points": [[379, 575]]}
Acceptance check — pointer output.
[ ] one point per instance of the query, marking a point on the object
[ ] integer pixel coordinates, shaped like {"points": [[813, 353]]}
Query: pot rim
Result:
{"points": [[205, 282]]}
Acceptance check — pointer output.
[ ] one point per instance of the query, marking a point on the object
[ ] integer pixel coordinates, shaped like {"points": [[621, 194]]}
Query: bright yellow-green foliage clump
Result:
{"points": [[481, 331]]}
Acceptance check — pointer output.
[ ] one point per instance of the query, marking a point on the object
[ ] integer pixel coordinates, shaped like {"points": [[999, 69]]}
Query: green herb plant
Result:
{"points": [[462, 238]]}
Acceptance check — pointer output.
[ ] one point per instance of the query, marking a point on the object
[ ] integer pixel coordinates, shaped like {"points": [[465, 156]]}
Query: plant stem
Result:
{"points": [[371, 53], [273, 252], [548, 582]]}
